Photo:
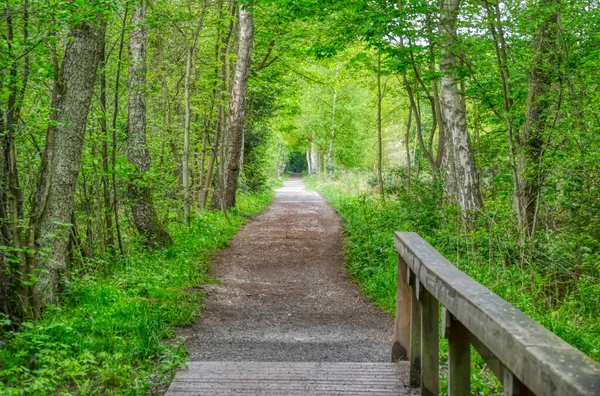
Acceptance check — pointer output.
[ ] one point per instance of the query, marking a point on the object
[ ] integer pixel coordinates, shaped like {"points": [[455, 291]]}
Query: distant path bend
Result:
{"points": [[285, 295]]}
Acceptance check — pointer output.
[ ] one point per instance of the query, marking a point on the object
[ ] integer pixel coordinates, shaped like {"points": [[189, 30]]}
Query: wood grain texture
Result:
{"points": [[542, 361], [401, 342], [291, 378], [415, 336], [430, 345]]}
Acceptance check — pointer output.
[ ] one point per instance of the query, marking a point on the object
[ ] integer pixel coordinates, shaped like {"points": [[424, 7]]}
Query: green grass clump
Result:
{"points": [[556, 285], [115, 329]]}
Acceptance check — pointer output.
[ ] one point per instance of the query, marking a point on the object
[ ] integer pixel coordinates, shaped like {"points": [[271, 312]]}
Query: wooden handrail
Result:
{"points": [[526, 357]]}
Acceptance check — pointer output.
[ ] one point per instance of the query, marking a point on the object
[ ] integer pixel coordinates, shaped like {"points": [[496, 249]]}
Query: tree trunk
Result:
{"points": [[379, 138], [186, 136], [191, 53], [235, 127], [12, 194], [313, 159], [113, 159], [140, 195], [539, 100], [223, 50], [58, 180], [454, 115], [106, 209], [407, 144]]}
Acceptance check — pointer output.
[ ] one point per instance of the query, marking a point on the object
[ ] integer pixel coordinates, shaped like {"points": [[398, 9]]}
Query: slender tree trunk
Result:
{"points": [[437, 109], [379, 137], [145, 218], [186, 137], [453, 114], [12, 195], [191, 53], [235, 129], [115, 203], [109, 239], [222, 53], [313, 158], [59, 178], [539, 100], [332, 138], [407, 144], [414, 105]]}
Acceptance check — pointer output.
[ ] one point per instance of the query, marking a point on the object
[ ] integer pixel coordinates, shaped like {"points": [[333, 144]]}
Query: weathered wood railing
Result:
{"points": [[526, 358]]}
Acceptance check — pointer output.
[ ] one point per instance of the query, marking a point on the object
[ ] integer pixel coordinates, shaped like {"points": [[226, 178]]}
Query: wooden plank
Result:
{"points": [[415, 336], [488, 357], [542, 361], [289, 378], [430, 345], [512, 385], [459, 355], [401, 340]]}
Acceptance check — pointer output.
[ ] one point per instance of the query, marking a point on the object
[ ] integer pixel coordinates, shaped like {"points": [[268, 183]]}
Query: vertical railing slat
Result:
{"points": [[430, 345], [415, 335], [401, 345], [459, 355]]}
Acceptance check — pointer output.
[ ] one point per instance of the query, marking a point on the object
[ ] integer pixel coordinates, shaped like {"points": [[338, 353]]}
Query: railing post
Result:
{"points": [[415, 333], [512, 385], [401, 345], [430, 345], [459, 355]]}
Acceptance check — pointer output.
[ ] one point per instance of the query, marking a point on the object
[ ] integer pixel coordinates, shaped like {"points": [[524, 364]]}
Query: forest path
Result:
{"points": [[285, 295]]}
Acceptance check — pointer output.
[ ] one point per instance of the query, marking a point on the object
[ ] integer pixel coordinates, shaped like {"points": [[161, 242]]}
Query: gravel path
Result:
{"points": [[284, 292]]}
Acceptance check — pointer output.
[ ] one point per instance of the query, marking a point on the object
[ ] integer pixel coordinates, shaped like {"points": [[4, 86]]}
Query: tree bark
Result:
{"points": [[106, 208], [539, 100], [313, 158], [454, 115], [186, 136], [235, 127], [115, 206], [379, 137], [407, 144], [54, 205], [145, 218]]}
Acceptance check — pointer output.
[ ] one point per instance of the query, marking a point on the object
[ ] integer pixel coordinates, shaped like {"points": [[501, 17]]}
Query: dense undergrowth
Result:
{"points": [[115, 329], [554, 280]]}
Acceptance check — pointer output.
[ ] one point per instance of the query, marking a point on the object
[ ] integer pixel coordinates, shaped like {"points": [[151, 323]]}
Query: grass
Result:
{"points": [[115, 330], [488, 254]]}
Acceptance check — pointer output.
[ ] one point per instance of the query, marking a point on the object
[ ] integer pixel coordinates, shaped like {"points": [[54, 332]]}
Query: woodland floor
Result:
{"points": [[284, 294]]}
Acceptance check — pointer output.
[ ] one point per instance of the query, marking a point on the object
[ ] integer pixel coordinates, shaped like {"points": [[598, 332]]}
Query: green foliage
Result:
{"points": [[115, 330], [558, 287]]}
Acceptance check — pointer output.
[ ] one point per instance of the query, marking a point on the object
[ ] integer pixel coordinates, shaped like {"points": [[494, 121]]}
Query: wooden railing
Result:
{"points": [[526, 358]]}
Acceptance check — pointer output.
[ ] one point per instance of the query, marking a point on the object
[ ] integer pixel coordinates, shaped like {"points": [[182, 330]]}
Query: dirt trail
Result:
{"points": [[285, 295]]}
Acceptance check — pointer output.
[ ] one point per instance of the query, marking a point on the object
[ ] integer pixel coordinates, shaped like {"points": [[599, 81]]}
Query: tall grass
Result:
{"points": [[115, 329]]}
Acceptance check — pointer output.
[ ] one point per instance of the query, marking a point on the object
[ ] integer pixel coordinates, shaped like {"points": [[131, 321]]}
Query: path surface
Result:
{"points": [[285, 295]]}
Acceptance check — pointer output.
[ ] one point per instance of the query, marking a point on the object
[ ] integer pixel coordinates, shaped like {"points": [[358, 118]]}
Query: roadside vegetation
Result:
{"points": [[559, 287], [115, 329]]}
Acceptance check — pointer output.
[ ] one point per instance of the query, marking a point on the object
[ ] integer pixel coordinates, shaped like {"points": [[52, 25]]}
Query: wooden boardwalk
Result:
{"points": [[291, 378]]}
